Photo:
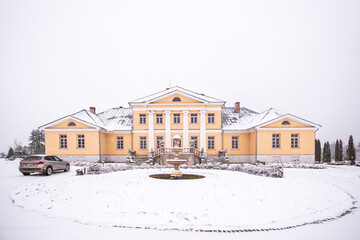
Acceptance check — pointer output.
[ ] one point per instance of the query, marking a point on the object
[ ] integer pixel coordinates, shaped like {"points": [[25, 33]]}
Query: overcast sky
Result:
{"points": [[58, 57]]}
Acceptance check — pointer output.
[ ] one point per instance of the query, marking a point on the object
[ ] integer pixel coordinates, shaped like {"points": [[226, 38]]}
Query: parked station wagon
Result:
{"points": [[44, 164]]}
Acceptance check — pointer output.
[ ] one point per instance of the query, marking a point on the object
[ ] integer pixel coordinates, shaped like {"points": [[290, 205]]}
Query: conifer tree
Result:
{"points": [[337, 151], [317, 150], [341, 154], [324, 152], [10, 152], [350, 152], [37, 141]]}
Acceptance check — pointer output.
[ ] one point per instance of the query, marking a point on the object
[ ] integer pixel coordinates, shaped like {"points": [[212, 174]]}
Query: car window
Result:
{"points": [[56, 158], [29, 158], [48, 158]]}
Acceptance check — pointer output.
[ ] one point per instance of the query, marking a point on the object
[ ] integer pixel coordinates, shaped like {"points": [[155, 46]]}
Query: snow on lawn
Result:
{"points": [[222, 200]]}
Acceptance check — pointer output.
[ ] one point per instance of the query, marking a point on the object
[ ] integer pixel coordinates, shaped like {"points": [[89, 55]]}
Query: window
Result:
{"points": [[159, 119], [159, 140], [142, 118], [285, 123], [176, 117], [120, 143], [71, 124], [294, 140], [193, 118], [142, 143], [211, 118], [211, 143], [176, 99], [276, 140], [63, 141], [195, 140], [235, 142], [81, 140], [179, 142]]}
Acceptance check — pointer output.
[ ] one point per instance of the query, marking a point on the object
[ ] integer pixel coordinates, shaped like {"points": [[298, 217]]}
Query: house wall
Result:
{"points": [[306, 142]]}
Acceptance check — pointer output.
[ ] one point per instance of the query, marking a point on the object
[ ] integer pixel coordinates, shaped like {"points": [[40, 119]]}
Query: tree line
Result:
{"points": [[36, 145], [339, 155]]}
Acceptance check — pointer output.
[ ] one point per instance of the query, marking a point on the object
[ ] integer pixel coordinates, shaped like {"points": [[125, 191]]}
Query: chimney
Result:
{"points": [[237, 107], [121, 107], [92, 110]]}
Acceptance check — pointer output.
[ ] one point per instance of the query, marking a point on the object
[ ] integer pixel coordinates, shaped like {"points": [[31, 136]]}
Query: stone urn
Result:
{"points": [[176, 173]]}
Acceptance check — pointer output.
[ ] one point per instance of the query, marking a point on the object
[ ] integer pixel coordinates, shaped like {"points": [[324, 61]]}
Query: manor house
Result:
{"points": [[203, 122]]}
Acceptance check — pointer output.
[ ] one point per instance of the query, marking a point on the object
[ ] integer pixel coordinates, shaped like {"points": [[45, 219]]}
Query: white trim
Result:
{"points": [[73, 130], [185, 142], [167, 128], [177, 131], [151, 129], [177, 108], [238, 131], [63, 119], [119, 131], [286, 128], [292, 117], [203, 129]]}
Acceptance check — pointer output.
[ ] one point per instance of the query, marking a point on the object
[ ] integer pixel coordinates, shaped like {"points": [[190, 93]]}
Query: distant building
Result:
{"points": [[248, 136]]}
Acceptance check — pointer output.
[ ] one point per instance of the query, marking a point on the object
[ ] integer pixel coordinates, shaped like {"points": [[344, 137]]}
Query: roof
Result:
{"points": [[173, 90], [248, 119], [117, 119]]}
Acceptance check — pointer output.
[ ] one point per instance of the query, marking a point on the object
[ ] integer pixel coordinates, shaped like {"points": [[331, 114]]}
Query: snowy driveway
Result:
{"points": [[224, 200]]}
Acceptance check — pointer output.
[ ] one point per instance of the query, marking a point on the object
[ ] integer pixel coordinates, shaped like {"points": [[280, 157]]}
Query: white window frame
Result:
{"points": [[159, 118], [142, 118], [235, 142], [63, 141], [193, 118], [80, 140], [211, 143], [176, 118], [276, 140], [294, 140], [119, 142], [195, 139], [211, 118], [158, 140], [143, 143]]}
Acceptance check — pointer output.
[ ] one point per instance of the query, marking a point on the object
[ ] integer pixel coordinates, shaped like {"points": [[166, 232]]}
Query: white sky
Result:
{"points": [[58, 57]]}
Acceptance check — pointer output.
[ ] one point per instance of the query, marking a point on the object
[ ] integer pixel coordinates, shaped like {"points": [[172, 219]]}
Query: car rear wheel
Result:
{"points": [[26, 173], [67, 168], [49, 171]]}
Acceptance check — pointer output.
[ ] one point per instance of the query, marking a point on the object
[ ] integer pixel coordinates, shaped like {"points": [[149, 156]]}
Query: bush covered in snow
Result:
{"points": [[300, 165], [275, 171]]}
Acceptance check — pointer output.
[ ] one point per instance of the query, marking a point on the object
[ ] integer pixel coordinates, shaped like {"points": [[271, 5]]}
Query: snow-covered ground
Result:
{"points": [[69, 206]]}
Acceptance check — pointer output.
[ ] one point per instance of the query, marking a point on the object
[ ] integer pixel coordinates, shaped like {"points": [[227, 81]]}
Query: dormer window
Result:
{"points": [[285, 122], [71, 124], [176, 99]]}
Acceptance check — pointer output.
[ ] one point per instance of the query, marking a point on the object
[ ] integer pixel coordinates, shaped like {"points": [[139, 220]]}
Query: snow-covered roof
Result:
{"points": [[88, 117], [117, 118], [174, 90], [237, 121]]}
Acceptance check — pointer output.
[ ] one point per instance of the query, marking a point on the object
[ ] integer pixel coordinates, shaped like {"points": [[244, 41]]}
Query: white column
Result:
{"points": [[203, 129], [167, 129], [151, 129], [185, 139]]}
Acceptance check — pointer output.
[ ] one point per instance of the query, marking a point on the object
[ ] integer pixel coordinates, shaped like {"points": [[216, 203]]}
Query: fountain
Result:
{"points": [[176, 174]]}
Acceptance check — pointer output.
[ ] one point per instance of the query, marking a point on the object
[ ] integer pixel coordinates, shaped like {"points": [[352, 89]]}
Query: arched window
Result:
{"points": [[285, 122], [71, 124], [176, 99]]}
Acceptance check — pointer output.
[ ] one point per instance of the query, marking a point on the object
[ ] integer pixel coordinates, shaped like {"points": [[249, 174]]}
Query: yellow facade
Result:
{"points": [[254, 141]]}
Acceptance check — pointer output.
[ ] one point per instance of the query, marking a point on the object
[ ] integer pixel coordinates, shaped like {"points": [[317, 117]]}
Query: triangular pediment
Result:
{"points": [[177, 98], [289, 121], [168, 95]]}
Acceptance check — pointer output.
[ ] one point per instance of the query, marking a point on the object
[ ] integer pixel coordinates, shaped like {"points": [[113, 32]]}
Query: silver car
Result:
{"points": [[44, 164]]}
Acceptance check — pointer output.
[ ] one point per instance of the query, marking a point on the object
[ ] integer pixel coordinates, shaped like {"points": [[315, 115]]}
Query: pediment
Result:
{"points": [[176, 98], [289, 122], [69, 123]]}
